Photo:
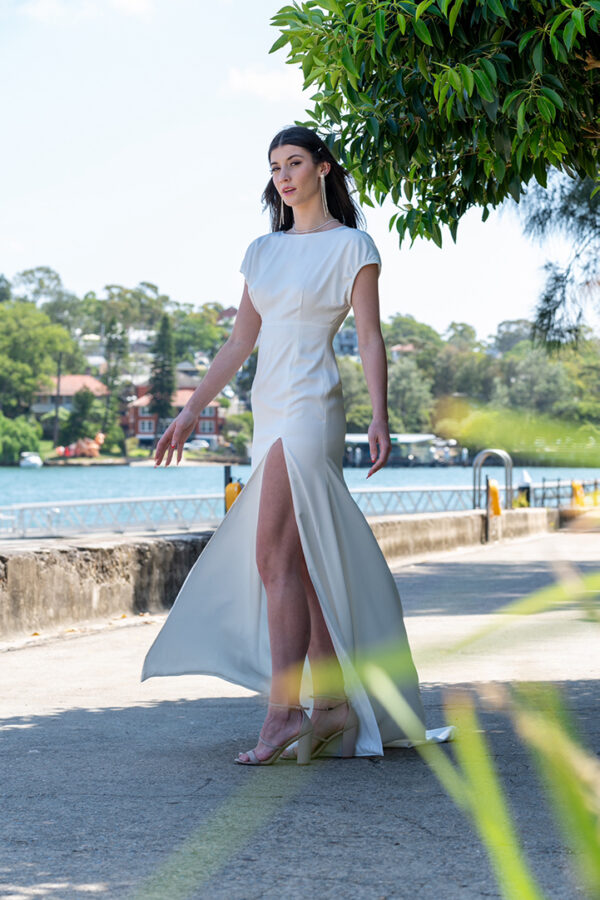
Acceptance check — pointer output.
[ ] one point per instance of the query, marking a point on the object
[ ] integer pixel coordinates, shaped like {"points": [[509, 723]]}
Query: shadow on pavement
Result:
{"points": [[471, 588], [146, 802]]}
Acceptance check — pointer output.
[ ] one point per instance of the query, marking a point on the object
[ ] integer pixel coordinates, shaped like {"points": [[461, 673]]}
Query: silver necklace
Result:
{"points": [[308, 230]]}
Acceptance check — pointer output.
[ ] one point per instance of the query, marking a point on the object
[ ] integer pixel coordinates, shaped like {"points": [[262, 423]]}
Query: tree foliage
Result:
{"points": [[29, 348], [570, 209], [453, 104], [162, 377], [16, 436]]}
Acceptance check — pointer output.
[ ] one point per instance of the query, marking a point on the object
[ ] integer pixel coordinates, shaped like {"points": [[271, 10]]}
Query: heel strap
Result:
{"points": [[287, 705], [342, 700]]}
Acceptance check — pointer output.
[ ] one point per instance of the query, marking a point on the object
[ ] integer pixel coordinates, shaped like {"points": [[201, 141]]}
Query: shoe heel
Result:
{"points": [[304, 749]]}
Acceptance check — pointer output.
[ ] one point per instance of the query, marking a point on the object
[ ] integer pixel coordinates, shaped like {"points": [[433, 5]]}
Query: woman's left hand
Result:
{"points": [[379, 440]]}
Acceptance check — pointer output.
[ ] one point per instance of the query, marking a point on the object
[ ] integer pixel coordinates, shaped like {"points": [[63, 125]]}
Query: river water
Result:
{"points": [[103, 482]]}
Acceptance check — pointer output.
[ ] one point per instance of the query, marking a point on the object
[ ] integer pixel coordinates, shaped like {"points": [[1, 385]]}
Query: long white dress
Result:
{"points": [[301, 286]]}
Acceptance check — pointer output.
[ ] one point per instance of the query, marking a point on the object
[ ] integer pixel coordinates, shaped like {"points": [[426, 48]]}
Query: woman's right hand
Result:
{"points": [[175, 437]]}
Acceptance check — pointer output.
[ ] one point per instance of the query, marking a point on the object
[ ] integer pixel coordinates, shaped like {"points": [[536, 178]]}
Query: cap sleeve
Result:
{"points": [[246, 266], [363, 252]]}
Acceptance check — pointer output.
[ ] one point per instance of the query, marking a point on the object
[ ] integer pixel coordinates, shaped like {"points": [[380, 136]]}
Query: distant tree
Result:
{"points": [[85, 418], [510, 332], [16, 436], [409, 395], [162, 377], [569, 207], [139, 307], [354, 385], [198, 330], [462, 336], [426, 341], [29, 347], [540, 384], [475, 375], [245, 377], [65, 310], [5, 289], [37, 285]]}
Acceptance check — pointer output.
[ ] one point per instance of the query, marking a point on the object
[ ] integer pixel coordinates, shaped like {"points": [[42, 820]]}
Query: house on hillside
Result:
{"points": [[142, 424], [46, 399]]}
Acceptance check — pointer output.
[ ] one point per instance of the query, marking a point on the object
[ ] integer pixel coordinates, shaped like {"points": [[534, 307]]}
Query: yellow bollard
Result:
{"points": [[231, 492], [577, 494], [494, 497]]}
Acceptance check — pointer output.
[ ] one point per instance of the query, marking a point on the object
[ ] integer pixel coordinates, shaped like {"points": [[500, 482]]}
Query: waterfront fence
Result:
{"points": [[197, 511]]}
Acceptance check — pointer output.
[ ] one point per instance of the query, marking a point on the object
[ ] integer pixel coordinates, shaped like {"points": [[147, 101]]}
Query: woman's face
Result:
{"points": [[295, 175]]}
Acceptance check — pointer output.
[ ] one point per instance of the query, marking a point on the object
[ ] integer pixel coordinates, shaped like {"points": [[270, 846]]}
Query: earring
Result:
{"points": [[282, 214], [324, 197]]}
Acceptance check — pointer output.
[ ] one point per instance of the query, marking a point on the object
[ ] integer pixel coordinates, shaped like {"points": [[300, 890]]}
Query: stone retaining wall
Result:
{"points": [[58, 582]]}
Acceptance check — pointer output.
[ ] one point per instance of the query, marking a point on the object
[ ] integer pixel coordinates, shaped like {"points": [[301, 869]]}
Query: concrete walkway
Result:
{"points": [[115, 789]]}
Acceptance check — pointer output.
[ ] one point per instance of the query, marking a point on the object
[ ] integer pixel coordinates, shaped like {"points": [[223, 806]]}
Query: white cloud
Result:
{"points": [[272, 86]]}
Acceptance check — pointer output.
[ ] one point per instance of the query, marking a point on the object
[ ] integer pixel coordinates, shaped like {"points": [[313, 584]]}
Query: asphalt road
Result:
{"points": [[115, 789]]}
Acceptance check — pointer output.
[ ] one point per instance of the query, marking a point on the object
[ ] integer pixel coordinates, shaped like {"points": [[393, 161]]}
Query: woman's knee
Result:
{"points": [[277, 561]]}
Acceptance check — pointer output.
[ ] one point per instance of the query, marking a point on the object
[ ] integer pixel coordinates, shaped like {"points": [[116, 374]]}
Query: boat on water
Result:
{"points": [[30, 460]]}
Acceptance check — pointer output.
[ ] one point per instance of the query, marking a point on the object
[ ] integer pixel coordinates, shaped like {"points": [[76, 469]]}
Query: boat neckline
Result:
{"points": [[306, 233]]}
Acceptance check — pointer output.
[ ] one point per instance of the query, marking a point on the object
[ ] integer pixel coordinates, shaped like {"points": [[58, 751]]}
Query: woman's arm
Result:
{"points": [[365, 303], [236, 349]]}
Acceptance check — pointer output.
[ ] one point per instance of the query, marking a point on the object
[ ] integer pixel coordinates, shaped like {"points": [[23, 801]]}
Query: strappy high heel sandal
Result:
{"points": [[341, 743], [304, 739]]}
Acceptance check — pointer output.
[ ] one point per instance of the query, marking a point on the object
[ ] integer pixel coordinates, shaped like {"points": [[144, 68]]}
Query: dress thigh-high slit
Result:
{"points": [[218, 625]]}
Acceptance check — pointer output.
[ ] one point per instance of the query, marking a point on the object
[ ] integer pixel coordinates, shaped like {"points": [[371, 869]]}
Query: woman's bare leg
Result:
{"points": [[279, 557], [326, 672]]}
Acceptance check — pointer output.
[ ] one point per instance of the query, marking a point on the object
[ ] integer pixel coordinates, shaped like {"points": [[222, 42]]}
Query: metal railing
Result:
{"points": [[478, 466], [187, 513]]}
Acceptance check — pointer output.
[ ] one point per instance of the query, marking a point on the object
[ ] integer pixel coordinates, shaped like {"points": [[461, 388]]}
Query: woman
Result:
{"points": [[292, 586]]}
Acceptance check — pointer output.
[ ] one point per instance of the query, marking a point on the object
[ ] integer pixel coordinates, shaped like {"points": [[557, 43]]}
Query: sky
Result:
{"points": [[134, 148]]}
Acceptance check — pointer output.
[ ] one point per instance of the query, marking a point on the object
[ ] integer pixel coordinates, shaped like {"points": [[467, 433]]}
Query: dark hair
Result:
{"points": [[340, 203]]}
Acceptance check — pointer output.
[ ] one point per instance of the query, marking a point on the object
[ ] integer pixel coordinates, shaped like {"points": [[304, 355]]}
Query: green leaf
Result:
{"points": [[521, 118], [554, 98], [422, 7], [373, 127], [422, 65], [455, 80], [538, 57], [401, 20], [547, 109], [497, 8], [510, 98], [454, 15], [332, 5], [577, 17], [348, 62], [467, 78], [332, 112], [422, 32], [526, 38], [569, 34], [380, 23], [499, 168], [490, 70], [484, 87], [280, 42], [557, 21]]}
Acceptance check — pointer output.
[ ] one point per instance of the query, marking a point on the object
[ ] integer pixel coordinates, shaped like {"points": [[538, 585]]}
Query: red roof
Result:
{"points": [[180, 398], [70, 384]]}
